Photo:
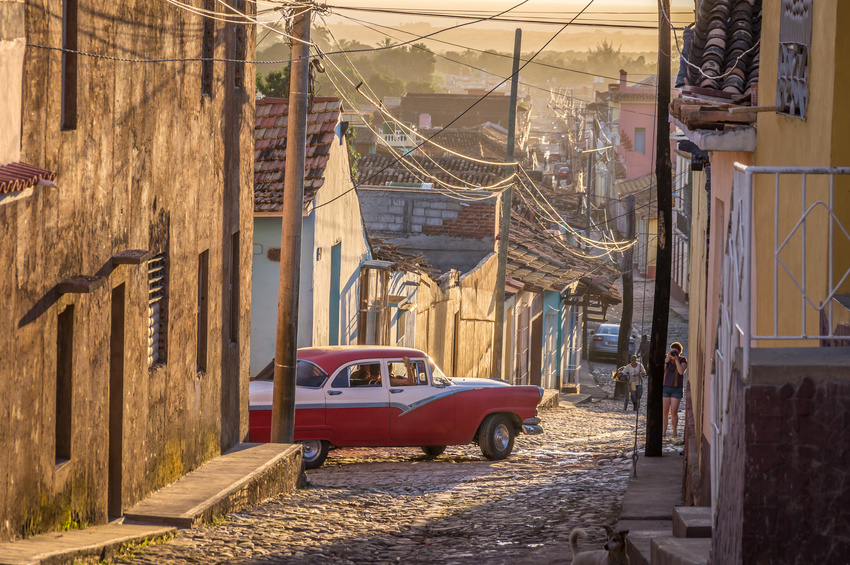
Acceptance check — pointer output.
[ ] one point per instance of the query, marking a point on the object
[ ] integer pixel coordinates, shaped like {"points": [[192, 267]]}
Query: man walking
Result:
{"points": [[636, 373]]}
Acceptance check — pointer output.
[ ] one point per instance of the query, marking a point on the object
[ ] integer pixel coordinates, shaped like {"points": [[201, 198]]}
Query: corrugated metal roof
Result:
{"points": [[20, 176]]}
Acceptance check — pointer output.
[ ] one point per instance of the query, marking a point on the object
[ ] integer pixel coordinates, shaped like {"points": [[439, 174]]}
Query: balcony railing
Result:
{"points": [[792, 212]]}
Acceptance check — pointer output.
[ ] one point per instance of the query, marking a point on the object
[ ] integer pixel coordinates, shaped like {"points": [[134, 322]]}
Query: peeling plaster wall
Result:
{"points": [[152, 164]]}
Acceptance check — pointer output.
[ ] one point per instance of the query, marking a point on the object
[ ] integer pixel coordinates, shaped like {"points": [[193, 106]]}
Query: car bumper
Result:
{"points": [[531, 426]]}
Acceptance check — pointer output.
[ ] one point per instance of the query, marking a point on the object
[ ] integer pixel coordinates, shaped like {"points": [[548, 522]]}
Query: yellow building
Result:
{"points": [[770, 253]]}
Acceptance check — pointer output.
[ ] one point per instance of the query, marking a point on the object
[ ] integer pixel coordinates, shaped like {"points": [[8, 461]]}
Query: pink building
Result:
{"points": [[634, 108]]}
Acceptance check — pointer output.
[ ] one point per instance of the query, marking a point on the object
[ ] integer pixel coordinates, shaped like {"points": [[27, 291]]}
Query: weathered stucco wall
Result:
{"points": [[454, 322], [337, 221], [152, 164], [12, 47]]}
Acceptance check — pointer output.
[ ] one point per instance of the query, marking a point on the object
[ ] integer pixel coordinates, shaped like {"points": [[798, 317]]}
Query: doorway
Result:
{"points": [[333, 303], [116, 404]]}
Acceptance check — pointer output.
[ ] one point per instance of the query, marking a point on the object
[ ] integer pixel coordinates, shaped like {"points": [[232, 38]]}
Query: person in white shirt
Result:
{"points": [[636, 373]]}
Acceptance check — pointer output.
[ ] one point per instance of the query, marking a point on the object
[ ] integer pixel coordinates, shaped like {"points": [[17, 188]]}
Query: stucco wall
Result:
{"points": [[155, 165], [12, 48], [337, 220], [264, 289], [819, 140], [454, 322], [638, 115]]}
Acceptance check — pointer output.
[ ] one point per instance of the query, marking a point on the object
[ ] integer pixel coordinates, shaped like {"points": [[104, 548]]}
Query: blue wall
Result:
{"points": [[265, 288]]}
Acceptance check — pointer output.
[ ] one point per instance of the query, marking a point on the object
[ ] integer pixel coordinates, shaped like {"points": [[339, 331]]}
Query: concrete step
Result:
{"points": [[680, 551], [246, 475], [692, 522], [576, 398], [597, 392], [641, 533], [95, 542], [550, 399]]}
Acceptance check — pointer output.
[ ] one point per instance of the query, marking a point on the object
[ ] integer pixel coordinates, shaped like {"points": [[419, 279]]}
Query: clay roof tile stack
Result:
{"points": [[725, 49]]}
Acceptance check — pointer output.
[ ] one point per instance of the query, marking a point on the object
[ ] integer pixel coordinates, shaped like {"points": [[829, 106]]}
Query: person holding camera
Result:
{"points": [[675, 366]]}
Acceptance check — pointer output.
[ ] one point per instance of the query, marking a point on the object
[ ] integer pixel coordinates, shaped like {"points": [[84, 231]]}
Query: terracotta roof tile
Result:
{"points": [[20, 176], [725, 46], [270, 149], [540, 262]]}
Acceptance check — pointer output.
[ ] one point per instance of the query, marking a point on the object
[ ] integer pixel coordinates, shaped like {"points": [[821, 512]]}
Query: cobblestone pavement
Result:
{"points": [[391, 505]]}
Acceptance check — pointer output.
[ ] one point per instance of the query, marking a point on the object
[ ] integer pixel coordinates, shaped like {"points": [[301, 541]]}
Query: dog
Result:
{"points": [[613, 554]]}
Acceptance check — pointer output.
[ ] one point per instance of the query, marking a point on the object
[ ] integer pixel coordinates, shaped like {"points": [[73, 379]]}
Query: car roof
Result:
{"points": [[330, 358]]}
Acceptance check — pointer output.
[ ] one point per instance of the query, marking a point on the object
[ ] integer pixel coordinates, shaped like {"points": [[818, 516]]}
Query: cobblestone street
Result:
{"points": [[391, 505]]}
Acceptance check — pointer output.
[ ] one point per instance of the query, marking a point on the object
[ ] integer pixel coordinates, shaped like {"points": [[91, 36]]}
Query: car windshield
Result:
{"points": [[608, 330], [438, 377], [309, 375]]}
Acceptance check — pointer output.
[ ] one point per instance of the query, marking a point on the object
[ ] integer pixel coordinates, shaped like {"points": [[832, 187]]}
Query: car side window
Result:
{"points": [[407, 373], [358, 374]]}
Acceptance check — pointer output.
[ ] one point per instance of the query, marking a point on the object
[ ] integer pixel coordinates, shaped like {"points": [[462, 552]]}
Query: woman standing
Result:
{"points": [[675, 366]]}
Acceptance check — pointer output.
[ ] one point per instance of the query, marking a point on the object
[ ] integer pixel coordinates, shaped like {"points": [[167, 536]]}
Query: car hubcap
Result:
{"points": [[501, 437], [311, 449]]}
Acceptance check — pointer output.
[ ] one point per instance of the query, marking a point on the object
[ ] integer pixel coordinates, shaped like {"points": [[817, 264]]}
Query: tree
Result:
{"points": [[275, 84]]}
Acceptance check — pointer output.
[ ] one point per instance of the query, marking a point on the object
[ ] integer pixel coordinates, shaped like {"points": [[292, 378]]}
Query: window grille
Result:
{"points": [[157, 309], [795, 39]]}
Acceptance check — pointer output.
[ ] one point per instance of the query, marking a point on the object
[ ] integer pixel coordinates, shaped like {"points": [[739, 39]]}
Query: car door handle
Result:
{"points": [[334, 392], [396, 390]]}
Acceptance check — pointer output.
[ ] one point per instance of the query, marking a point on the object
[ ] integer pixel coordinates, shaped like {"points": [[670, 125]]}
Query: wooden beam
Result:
{"points": [[132, 257], [80, 284]]}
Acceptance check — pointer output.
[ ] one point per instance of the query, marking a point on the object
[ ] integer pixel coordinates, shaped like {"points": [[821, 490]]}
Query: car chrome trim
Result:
{"points": [[356, 405], [531, 421], [532, 430], [406, 409]]}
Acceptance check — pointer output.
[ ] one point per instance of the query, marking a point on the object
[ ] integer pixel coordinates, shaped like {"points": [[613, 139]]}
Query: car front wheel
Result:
{"points": [[432, 451], [314, 452], [496, 436]]}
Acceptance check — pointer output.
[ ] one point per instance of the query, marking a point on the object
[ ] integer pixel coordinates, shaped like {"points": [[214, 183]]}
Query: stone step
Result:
{"points": [[246, 475], [692, 522], [576, 398], [550, 399], [668, 550], [94, 542]]}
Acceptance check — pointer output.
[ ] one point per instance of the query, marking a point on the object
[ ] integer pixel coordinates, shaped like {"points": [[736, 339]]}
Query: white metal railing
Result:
{"points": [[735, 329]]}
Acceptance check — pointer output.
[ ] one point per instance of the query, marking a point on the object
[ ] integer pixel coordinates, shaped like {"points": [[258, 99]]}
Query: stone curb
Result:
{"points": [[100, 542]]}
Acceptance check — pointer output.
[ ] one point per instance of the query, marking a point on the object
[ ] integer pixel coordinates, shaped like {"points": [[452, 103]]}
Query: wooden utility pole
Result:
{"points": [[628, 285], [664, 255], [286, 348], [505, 222]]}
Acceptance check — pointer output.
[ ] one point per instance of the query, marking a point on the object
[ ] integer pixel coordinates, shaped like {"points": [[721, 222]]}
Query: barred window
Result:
{"points": [[157, 309]]}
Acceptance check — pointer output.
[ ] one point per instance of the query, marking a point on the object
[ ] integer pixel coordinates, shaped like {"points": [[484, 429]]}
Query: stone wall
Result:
{"points": [[785, 485], [151, 164], [451, 233]]}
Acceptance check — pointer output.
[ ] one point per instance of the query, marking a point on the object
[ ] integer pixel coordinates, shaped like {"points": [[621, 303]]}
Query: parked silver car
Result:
{"points": [[604, 342]]}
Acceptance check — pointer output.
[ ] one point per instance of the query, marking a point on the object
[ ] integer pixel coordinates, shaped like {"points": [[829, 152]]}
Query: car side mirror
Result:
{"points": [[439, 384]]}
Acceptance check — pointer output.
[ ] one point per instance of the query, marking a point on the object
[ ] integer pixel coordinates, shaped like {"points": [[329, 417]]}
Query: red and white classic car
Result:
{"points": [[374, 396]]}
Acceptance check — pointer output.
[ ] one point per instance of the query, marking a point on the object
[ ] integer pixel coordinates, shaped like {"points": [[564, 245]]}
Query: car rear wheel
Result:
{"points": [[432, 451], [314, 451], [496, 436]]}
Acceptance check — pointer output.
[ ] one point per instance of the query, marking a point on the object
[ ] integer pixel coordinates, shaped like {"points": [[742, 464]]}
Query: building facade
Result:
{"points": [[127, 288]]}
